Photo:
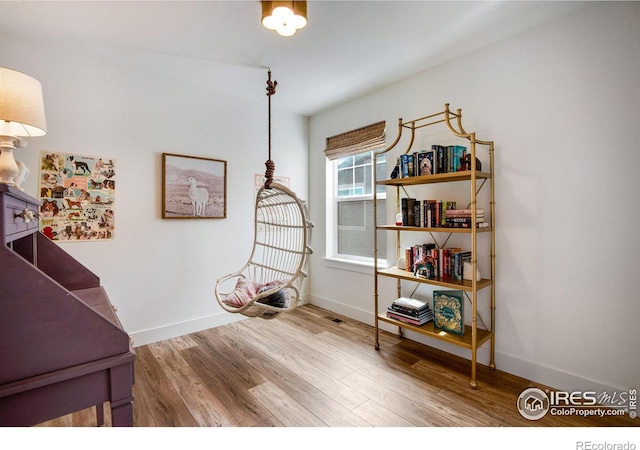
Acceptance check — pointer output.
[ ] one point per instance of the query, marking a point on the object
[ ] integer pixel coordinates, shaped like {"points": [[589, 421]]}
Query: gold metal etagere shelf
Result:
{"points": [[474, 335]]}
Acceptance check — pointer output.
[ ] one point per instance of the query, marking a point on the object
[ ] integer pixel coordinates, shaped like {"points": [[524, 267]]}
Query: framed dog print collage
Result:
{"points": [[78, 197]]}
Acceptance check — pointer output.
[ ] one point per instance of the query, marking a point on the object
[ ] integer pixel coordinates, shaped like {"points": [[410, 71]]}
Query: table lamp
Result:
{"points": [[21, 115]]}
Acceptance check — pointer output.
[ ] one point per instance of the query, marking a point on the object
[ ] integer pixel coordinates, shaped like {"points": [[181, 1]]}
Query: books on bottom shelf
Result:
{"points": [[410, 310]]}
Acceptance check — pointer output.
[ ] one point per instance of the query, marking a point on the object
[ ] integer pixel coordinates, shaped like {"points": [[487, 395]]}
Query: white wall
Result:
{"points": [[159, 273], [562, 104]]}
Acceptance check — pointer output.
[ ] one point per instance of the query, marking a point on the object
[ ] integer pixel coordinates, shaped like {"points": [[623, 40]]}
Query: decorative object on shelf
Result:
{"points": [[21, 115], [395, 173], [467, 161], [77, 195], [425, 267], [448, 311], [284, 17], [193, 187], [467, 270]]}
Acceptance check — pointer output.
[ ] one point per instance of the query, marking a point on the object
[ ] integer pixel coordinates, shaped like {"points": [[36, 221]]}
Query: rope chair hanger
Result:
{"points": [[269, 283]]}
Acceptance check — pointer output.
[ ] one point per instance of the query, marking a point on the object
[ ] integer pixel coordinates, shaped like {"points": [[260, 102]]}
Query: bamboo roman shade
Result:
{"points": [[363, 139]]}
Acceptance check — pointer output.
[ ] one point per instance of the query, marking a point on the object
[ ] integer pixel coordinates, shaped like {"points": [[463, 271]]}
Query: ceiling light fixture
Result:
{"points": [[284, 17]]}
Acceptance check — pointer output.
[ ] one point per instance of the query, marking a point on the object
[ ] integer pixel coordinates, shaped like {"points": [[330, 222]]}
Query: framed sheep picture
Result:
{"points": [[193, 187]]}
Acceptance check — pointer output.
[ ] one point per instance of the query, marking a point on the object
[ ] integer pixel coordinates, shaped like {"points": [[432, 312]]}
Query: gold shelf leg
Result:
{"points": [[492, 363], [376, 344], [474, 341]]}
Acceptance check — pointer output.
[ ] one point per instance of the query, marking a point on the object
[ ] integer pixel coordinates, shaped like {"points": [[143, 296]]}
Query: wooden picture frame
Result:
{"points": [[193, 187]]}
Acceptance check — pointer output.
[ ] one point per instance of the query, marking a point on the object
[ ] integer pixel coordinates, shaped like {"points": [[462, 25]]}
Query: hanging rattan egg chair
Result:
{"points": [[269, 283]]}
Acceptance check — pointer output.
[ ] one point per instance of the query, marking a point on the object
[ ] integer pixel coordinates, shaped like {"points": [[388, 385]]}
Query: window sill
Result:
{"points": [[353, 265]]}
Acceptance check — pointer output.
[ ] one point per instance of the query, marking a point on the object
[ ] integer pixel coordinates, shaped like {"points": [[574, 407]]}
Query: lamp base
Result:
{"points": [[8, 167], [23, 173]]}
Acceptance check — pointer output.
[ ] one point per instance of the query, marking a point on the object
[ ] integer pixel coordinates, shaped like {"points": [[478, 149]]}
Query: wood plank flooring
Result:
{"points": [[303, 369]]}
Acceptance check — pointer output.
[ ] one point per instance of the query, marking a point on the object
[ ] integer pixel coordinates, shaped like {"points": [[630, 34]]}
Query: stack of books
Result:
{"points": [[410, 310], [461, 218]]}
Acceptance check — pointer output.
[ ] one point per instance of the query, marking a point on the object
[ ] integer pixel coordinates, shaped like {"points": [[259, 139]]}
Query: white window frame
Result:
{"points": [[332, 212]]}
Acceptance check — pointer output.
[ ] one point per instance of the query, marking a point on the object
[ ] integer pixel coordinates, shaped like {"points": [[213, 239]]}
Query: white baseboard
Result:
{"points": [[150, 336], [550, 376], [529, 370], [162, 333]]}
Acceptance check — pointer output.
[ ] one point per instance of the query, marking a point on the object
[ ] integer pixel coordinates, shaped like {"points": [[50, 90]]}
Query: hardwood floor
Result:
{"points": [[303, 369]]}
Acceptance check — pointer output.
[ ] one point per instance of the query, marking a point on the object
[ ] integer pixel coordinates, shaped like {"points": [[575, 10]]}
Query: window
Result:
{"points": [[353, 206], [350, 193]]}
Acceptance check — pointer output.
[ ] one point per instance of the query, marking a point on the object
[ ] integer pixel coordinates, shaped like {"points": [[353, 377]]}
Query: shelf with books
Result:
{"points": [[451, 283], [432, 229], [428, 329], [454, 264], [436, 178]]}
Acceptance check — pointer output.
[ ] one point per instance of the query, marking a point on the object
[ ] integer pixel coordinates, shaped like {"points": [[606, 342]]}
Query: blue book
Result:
{"points": [[448, 311], [406, 165], [459, 153]]}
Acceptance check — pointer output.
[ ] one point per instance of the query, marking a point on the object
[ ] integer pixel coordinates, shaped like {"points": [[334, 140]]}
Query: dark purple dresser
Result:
{"points": [[62, 347]]}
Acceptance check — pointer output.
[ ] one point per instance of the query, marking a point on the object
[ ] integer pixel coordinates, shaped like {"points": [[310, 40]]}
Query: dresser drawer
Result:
{"points": [[15, 225]]}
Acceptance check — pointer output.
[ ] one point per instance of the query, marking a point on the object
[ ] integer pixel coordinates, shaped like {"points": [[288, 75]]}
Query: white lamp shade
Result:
{"points": [[21, 105]]}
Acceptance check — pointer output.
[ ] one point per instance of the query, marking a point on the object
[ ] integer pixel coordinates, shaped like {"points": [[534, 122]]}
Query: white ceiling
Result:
{"points": [[348, 48]]}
